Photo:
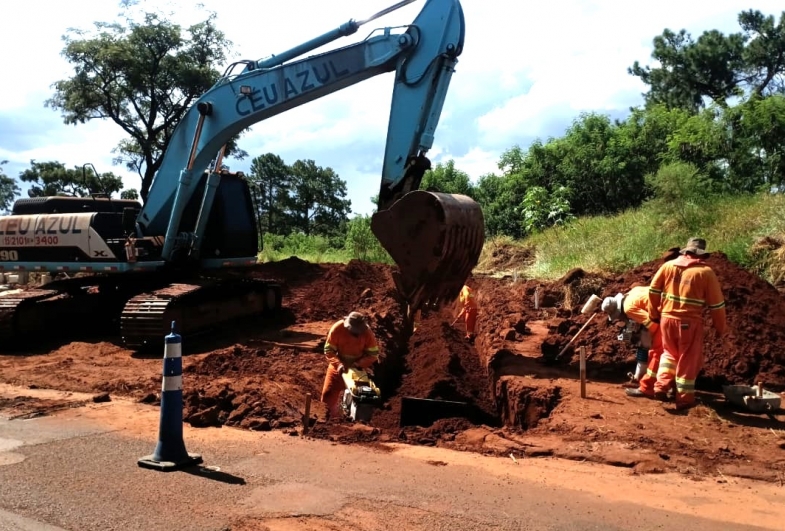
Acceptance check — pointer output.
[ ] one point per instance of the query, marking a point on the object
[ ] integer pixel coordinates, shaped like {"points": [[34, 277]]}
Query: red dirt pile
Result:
{"points": [[503, 311], [754, 349], [441, 364], [252, 388]]}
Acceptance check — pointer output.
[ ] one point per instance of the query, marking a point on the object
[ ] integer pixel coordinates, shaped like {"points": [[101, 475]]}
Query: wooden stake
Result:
{"points": [[536, 298], [307, 415], [583, 371]]}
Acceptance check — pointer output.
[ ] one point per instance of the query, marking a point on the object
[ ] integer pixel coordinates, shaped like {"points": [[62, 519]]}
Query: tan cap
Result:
{"points": [[696, 246], [356, 323]]}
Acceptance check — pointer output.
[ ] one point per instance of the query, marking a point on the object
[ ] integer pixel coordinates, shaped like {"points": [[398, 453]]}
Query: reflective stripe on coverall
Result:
{"points": [[678, 292], [636, 308], [342, 348], [469, 310]]}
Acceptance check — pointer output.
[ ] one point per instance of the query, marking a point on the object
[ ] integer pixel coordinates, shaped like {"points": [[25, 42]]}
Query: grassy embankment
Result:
{"points": [[733, 225], [612, 244]]}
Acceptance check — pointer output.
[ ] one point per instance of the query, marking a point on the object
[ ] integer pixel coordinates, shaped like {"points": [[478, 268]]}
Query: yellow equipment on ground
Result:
{"points": [[361, 396]]}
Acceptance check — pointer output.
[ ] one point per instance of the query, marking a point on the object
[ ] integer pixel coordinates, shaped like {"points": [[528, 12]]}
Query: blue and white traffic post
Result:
{"points": [[170, 453]]}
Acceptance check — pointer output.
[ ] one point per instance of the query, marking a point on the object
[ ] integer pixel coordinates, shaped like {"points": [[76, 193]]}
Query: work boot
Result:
{"points": [[684, 406], [636, 393]]}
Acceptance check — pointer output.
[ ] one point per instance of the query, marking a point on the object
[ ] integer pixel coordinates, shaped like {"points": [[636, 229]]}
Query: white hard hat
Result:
{"points": [[613, 306]]}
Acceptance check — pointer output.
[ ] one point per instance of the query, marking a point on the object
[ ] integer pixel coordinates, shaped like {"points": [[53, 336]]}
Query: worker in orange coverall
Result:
{"points": [[678, 292], [633, 308], [350, 344], [468, 312]]}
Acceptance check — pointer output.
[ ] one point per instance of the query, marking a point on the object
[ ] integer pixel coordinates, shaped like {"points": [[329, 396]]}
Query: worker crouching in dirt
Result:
{"points": [[633, 309], [678, 292], [350, 344], [468, 312]]}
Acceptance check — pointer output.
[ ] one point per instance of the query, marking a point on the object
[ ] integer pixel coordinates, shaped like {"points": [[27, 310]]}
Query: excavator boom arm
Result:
{"points": [[434, 238], [423, 58]]}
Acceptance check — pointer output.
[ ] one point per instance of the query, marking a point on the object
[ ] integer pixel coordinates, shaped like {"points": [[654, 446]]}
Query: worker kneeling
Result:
{"points": [[641, 332], [350, 347]]}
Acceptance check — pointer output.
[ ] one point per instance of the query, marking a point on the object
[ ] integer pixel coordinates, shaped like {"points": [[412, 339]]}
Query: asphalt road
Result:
{"points": [[77, 471]]}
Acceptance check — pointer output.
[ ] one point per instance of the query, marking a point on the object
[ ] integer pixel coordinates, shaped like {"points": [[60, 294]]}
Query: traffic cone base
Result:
{"points": [[169, 466]]}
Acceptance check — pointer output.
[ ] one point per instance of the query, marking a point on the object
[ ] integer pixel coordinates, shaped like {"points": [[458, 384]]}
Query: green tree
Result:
{"points": [[362, 243], [53, 178], [541, 209], [131, 193], [143, 76], [761, 125], [594, 162], [448, 179], [499, 197], [317, 199], [716, 66], [682, 193], [9, 189], [270, 180]]}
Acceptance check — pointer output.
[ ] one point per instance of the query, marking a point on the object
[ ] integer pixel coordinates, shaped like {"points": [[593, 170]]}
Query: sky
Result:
{"points": [[528, 69]]}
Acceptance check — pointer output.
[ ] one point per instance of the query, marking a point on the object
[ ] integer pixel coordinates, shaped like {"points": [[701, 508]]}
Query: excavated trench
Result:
{"points": [[501, 380], [498, 381]]}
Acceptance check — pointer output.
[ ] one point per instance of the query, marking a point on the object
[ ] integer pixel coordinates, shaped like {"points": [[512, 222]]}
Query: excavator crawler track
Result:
{"points": [[14, 305], [197, 307]]}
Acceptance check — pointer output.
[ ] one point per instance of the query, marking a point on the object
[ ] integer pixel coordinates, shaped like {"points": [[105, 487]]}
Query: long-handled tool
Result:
{"points": [[589, 308]]}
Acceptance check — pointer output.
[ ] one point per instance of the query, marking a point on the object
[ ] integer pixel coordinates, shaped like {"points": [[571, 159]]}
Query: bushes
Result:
{"points": [[359, 242]]}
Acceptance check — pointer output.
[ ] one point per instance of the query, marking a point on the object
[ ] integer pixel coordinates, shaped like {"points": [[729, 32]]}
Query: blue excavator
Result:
{"points": [[188, 253]]}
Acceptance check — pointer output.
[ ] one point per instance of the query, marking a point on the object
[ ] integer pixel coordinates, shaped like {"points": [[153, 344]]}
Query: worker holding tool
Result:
{"points": [[468, 312], [350, 344], [678, 293], [633, 309]]}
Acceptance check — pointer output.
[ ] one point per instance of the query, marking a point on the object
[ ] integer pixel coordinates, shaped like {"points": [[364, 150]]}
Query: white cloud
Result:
{"points": [[527, 70], [580, 63]]}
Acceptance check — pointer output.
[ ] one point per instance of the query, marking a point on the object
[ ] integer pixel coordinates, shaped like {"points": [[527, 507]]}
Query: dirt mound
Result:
{"points": [[440, 364], [506, 258], [264, 388], [754, 349], [293, 270], [252, 388], [501, 308], [341, 289]]}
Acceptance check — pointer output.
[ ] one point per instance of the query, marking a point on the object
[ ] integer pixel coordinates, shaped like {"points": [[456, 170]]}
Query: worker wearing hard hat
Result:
{"points": [[642, 332], [350, 344], [678, 292], [468, 311]]}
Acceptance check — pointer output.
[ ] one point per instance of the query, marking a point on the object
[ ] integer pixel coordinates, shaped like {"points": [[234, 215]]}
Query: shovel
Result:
{"points": [[589, 308]]}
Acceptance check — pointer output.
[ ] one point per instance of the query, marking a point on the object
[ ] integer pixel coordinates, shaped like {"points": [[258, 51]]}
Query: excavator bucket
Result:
{"points": [[435, 239]]}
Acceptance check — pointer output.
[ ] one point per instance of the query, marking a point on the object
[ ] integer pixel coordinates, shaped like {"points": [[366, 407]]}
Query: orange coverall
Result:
{"points": [[636, 308], [343, 348], [469, 311], [678, 293]]}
